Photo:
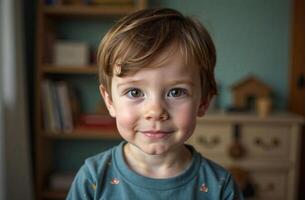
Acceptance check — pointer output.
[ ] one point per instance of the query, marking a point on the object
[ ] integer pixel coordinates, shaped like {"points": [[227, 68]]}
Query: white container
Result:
{"points": [[71, 54]]}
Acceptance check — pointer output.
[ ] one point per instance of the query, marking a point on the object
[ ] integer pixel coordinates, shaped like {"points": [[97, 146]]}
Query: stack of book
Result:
{"points": [[57, 106]]}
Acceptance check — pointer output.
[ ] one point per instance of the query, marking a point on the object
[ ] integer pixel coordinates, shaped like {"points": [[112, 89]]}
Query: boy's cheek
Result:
{"points": [[125, 118], [186, 118]]}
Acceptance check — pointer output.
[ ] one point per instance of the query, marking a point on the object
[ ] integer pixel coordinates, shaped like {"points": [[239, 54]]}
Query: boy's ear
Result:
{"points": [[204, 105], [108, 100]]}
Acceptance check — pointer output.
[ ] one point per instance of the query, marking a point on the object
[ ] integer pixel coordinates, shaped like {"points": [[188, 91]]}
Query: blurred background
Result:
{"points": [[52, 117]]}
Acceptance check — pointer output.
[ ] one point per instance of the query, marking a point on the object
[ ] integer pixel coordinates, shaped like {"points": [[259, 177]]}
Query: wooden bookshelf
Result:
{"points": [[84, 134], [49, 18], [87, 10], [49, 69]]}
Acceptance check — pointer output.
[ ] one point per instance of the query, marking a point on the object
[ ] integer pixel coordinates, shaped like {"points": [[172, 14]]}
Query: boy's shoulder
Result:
{"points": [[218, 179], [211, 166], [100, 157], [97, 164], [212, 171]]}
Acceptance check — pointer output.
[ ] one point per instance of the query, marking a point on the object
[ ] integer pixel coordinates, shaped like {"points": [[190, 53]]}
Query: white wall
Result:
{"points": [[15, 169], [2, 162]]}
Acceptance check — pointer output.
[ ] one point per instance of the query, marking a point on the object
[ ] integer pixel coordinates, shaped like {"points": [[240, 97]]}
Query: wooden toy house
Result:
{"points": [[247, 91]]}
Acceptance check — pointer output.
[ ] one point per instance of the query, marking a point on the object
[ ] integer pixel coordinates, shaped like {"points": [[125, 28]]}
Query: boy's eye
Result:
{"points": [[177, 92], [134, 93]]}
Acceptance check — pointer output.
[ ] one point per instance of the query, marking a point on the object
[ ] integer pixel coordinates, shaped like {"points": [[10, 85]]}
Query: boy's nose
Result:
{"points": [[155, 110]]}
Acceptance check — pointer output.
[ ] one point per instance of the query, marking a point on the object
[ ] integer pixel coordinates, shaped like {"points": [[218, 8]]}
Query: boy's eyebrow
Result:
{"points": [[175, 82], [182, 81], [129, 82]]}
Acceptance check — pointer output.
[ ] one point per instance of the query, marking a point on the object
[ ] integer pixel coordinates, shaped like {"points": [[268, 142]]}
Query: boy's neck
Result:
{"points": [[157, 166]]}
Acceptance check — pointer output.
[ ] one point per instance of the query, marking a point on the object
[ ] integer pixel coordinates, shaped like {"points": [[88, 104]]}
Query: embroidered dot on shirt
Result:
{"points": [[204, 188], [115, 181], [93, 186]]}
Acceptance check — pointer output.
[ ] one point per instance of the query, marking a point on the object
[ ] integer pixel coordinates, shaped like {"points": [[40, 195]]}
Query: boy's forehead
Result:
{"points": [[172, 55], [172, 71]]}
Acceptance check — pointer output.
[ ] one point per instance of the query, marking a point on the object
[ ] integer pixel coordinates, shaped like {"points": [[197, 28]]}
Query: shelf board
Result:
{"points": [[85, 134], [52, 69], [88, 10], [54, 194]]}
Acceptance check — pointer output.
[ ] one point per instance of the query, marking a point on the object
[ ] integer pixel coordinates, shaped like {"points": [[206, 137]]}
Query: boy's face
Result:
{"points": [[156, 108]]}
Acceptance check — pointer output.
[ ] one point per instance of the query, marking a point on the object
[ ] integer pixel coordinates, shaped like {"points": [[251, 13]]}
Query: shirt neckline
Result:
{"points": [[151, 183]]}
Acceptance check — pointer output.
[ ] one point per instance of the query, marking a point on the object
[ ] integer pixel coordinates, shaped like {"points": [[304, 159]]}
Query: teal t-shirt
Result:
{"points": [[106, 176]]}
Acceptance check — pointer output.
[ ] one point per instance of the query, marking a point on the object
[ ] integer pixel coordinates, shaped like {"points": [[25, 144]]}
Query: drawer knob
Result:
{"points": [[210, 143], [267, 146], [237, 149]]}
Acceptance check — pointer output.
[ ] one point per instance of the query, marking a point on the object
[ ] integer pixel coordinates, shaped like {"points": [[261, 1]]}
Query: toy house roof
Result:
{"points": [[250, 81]]}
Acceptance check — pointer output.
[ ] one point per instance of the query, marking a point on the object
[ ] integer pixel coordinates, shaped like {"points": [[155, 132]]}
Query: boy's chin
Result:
{"points": [[152, 149]]}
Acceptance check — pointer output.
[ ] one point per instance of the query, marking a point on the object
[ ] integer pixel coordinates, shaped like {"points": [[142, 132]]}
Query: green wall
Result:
{"points": [[251, 37]]}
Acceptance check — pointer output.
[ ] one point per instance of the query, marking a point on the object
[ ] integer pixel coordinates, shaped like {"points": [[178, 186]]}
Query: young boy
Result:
{"points": [[156, 71]]}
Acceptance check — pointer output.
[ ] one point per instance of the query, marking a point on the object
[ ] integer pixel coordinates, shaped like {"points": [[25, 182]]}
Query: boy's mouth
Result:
{"points": [[156, 134]]}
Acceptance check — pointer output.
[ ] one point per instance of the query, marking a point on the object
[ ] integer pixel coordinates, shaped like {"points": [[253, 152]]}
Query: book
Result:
{"points": [[50, 112], [64, 106], [46, 105], [55, 107], [58, 108]]}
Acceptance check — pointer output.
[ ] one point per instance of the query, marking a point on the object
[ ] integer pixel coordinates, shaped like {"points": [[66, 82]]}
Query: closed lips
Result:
{"points": [[157, 134]]}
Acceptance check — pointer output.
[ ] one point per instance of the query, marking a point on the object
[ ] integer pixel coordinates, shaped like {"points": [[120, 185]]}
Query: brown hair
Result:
{"points": [[135, 41]]}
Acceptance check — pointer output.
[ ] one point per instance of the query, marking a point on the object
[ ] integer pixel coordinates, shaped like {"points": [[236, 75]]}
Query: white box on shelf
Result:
{"points": [[71, 53]]}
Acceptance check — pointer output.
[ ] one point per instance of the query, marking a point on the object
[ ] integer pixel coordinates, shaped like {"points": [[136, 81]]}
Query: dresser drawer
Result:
{"points": [[266, 141], [269, 185], [212, 139]]}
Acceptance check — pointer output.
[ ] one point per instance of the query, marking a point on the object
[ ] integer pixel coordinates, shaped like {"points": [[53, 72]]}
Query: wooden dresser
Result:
{"points": [[269, 149]]}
